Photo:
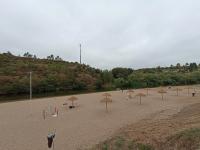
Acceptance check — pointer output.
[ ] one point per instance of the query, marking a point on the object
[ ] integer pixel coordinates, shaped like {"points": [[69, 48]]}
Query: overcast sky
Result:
{"points": [[113, 33]]}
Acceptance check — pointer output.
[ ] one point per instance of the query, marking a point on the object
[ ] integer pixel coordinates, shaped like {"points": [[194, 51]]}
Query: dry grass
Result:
{"points": [[177, 132]]}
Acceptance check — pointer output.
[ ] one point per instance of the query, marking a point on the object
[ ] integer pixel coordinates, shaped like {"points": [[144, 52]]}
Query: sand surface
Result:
{"points": [[22, 126]]}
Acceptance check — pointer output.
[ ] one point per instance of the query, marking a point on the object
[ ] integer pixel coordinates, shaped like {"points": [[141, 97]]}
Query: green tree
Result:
{"points": [[121, 72]]}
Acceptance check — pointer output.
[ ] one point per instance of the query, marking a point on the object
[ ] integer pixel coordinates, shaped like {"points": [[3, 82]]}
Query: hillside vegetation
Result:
{"points": [[47, 75], [55, 75]]}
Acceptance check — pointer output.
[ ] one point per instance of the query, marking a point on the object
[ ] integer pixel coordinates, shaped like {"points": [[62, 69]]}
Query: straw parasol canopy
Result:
{"points": [[72, 99], [107, 95], [162, 92], [141, 95], [106, 101], [130, 92]]}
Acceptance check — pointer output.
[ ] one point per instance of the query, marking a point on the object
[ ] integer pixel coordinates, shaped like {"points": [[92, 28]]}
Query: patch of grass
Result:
{"points": [[105, 146], [131, 145], [186, 140], [188, 134], [119, 143], [144, 147], [194, 132]]}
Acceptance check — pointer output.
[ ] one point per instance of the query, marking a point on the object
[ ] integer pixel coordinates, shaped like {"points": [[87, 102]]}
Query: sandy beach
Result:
{"points": [[23, 127]]}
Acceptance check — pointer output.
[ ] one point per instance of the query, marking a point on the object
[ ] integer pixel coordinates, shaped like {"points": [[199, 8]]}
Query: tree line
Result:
{"points": [[55, 75]]}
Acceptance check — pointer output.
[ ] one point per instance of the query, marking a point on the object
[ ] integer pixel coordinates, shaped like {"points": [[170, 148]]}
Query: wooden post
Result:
{"points": [[106, 106], [44, 114]]}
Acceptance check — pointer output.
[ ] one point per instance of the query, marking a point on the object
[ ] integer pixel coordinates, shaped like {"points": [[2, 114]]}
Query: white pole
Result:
{"points": [[30, 85], [80, 53]]}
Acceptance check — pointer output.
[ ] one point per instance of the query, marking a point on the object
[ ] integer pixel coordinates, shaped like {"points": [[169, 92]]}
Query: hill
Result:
{"points": [[47, 75]]}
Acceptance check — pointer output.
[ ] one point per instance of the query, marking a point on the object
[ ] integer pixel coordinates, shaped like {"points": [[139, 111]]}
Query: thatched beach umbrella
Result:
{"points": [[107, 95], [130, 92], [106, 101], [177, 91], [194, 89], [188, 89], [162, 92], [141, 95], [72, 99]]}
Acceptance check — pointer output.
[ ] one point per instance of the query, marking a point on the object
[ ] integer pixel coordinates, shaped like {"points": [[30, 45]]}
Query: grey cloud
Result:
{"points": [[113, 33]]}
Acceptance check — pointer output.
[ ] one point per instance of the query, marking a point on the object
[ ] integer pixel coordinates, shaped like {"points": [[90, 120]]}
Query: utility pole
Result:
{"points": [[80, 53], [30, 90], [30, 85]]}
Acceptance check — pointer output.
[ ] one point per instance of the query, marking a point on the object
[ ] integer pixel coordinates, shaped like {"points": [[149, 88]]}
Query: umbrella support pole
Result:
{"points": [[106, 107]]}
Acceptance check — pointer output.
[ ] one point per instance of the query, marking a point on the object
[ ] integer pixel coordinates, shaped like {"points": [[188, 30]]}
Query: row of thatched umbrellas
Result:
{"points": [[107, 96], [140, 95], [107, 99], [161, 91]]}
